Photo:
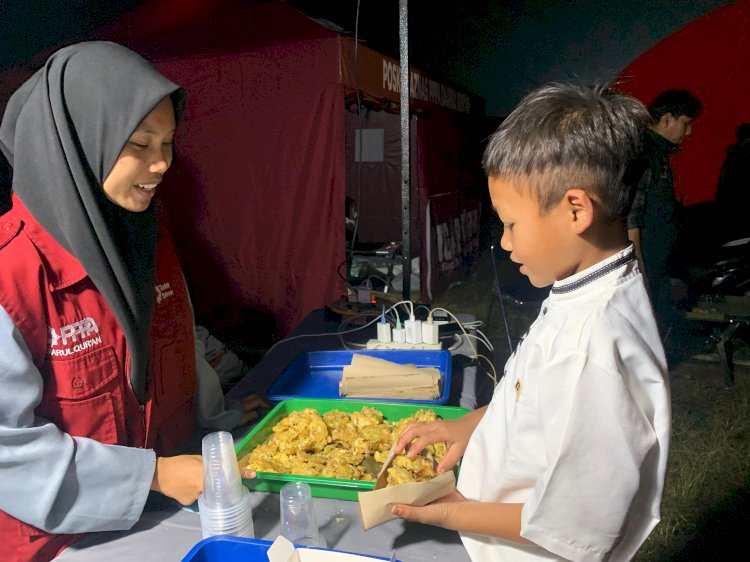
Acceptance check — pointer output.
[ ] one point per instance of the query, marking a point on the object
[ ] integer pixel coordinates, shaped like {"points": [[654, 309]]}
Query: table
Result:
{"points": [[166, 531]]}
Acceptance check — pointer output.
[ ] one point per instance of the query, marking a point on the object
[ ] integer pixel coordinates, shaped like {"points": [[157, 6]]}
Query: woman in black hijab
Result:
{"points": [[98, 366]]}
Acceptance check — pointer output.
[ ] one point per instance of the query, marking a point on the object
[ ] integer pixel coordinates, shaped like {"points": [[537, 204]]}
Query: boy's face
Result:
{"points": [[543, 244]]}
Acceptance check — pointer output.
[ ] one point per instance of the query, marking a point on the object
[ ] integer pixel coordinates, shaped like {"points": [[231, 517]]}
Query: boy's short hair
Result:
{"points": [[677, 102], [563, 136]]}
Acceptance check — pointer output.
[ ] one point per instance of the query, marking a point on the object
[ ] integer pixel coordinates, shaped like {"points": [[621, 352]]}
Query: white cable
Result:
{"points": [[376, 318], [457, 342], [477, 356], [485, 339], [493, 376], [460, 325], [489, 347]]}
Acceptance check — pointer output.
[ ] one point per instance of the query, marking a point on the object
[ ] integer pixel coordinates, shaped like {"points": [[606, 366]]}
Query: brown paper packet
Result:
{"points": [[382, 365], [372, 377], [375, 506]]}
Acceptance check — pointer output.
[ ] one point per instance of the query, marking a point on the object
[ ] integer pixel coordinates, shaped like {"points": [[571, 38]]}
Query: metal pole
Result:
{"points": [[403, 32]]}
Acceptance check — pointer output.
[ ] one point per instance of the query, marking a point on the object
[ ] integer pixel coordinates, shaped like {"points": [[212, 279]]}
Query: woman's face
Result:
{"points": [[132, 182]]}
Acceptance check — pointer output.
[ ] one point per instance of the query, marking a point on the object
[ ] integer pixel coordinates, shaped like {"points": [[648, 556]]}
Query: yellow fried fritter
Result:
{"points": [[334, 445]]}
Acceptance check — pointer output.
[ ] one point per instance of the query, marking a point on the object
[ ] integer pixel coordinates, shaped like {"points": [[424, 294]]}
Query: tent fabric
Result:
{"points": [[449, 174], [260, 180], [709, 57], [375, 184], [256, 194]]}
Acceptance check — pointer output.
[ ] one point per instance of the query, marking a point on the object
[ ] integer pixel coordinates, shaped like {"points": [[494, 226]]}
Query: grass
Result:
{"points": [[706, 505]]}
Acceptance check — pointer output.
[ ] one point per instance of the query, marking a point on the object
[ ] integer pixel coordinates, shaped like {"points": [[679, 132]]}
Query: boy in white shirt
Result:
{"points": [[567, 462]]}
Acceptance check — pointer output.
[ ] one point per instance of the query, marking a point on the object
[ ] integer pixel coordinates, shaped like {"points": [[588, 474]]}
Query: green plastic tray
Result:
{"points": [[320, 486]]}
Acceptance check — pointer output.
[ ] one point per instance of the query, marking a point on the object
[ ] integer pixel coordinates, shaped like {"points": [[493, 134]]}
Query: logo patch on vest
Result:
{"points": [[74, 338], [163, 292]]}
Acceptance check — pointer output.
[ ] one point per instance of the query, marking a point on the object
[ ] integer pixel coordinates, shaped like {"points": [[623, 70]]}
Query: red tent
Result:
{"points": [[709, 57], [266, 155]]}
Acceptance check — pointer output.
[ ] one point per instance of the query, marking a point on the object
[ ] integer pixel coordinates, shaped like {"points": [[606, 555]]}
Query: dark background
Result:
{"points": [[498, 49]]}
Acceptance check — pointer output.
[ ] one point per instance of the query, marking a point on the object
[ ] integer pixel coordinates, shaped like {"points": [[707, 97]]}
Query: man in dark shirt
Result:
{"points": [[733, 192], [654, 221]]}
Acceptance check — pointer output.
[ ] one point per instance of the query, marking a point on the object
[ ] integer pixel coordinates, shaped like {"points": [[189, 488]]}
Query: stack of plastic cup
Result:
{"points": [[298, 522], [224, 504]]}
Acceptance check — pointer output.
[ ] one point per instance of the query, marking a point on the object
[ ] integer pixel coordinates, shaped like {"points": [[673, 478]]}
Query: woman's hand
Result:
{"points": [[180, 477]]}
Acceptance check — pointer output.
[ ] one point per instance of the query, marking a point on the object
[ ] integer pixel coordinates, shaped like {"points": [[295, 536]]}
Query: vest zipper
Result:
{"points": [[142, 410]]}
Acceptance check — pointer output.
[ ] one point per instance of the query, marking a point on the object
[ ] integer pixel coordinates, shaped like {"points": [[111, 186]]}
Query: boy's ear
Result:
{"points": [[580, 209]]}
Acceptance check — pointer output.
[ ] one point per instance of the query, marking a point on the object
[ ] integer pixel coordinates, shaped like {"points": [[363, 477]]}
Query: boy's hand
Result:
{"points": [[455, 433], [180, 477], [439, 513], [455, 512]]}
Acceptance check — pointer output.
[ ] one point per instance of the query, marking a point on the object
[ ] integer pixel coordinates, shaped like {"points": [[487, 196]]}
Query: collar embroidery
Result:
{"points": [[596, 274]]}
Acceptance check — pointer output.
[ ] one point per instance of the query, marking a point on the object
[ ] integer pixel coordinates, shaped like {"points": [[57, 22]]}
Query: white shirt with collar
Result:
{"points": [[578, 428]]}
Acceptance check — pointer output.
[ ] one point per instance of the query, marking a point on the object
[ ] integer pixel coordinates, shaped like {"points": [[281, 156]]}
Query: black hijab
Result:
{"points": [[62, 133]]}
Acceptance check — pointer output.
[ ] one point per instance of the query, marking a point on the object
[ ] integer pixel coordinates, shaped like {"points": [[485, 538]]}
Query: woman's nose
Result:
{"points": [[161, 162]]}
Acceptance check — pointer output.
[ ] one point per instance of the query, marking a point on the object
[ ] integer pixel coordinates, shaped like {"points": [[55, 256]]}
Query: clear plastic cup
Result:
{"points": [[240, 526], [224, 506], [298, 522], [222, 485]]}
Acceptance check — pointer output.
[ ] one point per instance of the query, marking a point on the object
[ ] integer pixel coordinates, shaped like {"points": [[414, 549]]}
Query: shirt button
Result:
{"points": [[77, 383]]}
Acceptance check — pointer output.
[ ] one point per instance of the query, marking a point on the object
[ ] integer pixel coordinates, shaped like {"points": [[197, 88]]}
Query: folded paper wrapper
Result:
{"points": [[283, 550], [375, 506], [372, 377]]}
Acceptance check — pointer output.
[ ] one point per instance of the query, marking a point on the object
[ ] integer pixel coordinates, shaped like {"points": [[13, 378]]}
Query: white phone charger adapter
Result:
{"points": [[384, 332], [413, 330], [430, 331]]}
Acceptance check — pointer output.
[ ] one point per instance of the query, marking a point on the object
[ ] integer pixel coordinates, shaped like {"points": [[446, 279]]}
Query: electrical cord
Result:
{"points": [[427, 308], [376, 316], [500, 298], [493, 373], [345, 279]]}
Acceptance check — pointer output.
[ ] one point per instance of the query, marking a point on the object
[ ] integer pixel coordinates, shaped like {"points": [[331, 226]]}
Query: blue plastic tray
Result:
{"points": [[229, 549], [316, 374], [226, 548]]}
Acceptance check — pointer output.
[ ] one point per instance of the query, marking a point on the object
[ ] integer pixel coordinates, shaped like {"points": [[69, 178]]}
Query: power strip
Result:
{"points": [[375, 344]]}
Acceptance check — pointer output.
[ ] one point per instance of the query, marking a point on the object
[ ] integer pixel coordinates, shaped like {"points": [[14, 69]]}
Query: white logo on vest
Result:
{"points": [[74, 338], [163, 291]]}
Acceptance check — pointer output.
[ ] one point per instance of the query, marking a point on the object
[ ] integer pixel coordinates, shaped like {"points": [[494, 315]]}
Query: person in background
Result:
{"points": [[733, 190], [656, 217], [568, 460], [100, 376]]}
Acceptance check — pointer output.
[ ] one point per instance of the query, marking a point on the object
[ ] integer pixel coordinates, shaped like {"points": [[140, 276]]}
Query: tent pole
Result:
{"points": [[403, 32]]}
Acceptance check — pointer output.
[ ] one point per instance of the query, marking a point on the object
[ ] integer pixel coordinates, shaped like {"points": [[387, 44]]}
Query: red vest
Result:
{"points": [[78, 346]]}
